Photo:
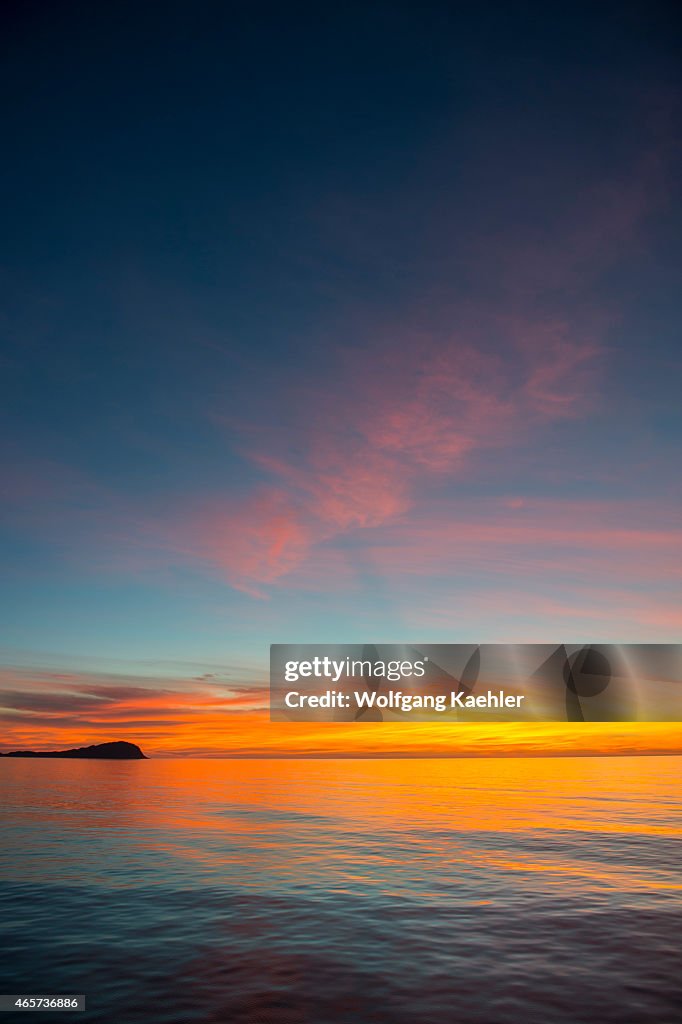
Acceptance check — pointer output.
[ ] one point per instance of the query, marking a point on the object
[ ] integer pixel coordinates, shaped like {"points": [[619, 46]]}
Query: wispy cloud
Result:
{"points": [[43, 711], [374, 453], [396, 425]]}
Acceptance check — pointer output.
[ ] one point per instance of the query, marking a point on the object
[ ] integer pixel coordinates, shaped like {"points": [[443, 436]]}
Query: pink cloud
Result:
{"points": [[569, 538], [390, 429], [254, 541], [360, 456], [532, 610]]}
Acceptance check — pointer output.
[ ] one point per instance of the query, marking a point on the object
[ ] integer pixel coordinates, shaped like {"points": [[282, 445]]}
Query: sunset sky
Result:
{"points": [[355, 325]]}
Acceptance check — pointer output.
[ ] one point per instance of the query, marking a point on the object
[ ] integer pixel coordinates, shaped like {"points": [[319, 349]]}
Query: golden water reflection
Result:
{"points": [[449, 828]]}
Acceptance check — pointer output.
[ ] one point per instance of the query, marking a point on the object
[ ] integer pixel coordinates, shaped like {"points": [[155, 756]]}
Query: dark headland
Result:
{"points": [[117, 751]]}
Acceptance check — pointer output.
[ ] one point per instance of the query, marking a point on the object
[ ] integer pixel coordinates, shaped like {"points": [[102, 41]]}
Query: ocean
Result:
{"points": [[490, 891]]}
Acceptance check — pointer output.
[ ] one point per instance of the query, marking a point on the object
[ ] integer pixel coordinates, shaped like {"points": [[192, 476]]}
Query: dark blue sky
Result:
{"points": [[321, 322]]}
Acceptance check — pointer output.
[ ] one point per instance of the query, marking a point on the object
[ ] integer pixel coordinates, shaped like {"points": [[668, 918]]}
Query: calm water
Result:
{"points": [[378, 892]]}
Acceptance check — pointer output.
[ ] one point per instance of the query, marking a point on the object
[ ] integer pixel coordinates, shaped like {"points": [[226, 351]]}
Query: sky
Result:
{"points": [[352, 323]]}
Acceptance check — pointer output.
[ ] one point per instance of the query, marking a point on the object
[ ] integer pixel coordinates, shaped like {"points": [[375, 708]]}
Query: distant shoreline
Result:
{"points": [[96, 753], [423, 756], [118, 750]]}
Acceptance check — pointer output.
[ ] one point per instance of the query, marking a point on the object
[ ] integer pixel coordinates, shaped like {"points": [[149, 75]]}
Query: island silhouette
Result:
{"points": [[119, 750]]}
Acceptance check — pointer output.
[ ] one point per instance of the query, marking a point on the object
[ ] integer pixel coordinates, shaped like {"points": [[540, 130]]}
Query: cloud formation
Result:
{"points": [[176, 717]]}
